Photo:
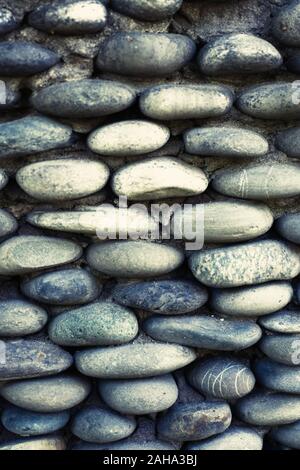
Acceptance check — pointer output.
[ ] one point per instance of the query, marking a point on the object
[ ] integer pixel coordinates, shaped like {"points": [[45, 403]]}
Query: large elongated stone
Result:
{"points": [[70, 17], [8, 21], [145, 54], [284, 321], [157, 178], [234, 438], [27, 253], [133, 360], [288, 141], [288, 435], [278, 377], [30, 358], [133, 259], [83, 98], [47, 443], [21, 59], [263, 181], [20, 318], [285, 25], [170, 102], [245, 264], [203, 331], [33, 134], [288, 226], [8, 223], [225, 141], [282, 348], [238, 53], [155, 10]]}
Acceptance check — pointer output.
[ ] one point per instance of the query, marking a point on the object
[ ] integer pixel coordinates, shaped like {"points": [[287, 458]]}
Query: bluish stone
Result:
{"points": [[234, 438], [288, 435], [20, 318], [288, 226], [282, 348], [284, 321], [8, 21], [155, 10], [288, 141], [285, 25], [8, 223], [278, 377]]}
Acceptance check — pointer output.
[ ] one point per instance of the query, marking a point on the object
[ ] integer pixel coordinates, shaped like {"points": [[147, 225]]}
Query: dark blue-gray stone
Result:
{"points": [[100, 425], [285, 25], [27, 358], [145, 54], [20, 318], [10, 98], [30, 423], [3, 179], [288, 435], [8, 21], [222, 377], [293, 63], [234, 438], [268, 408], [70, 17], [21, 59], [193, 421], [203, 331], [33, 134], [288, 141], [165, 297], [278, 377], [8, 224], [288, 226], [282, 348], [63, 287], [284, 321], [154, 10]]}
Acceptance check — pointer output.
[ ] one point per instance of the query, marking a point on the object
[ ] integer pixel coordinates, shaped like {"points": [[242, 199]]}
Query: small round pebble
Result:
{"points": [[155, 10], [282, 348], [284, 321], [8, 224], [21, 318], [234, 438], [278, 377]]}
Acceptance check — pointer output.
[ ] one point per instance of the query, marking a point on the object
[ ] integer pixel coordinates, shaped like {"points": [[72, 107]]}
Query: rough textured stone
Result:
{"points": [[234, 438], [153, 10], [48, 443], [285, 25], [288, 435], [288, 141], [19, 317], [8, 21], [282, 348], [289, 227], [8, 223], [278, 377], [284, 321]]}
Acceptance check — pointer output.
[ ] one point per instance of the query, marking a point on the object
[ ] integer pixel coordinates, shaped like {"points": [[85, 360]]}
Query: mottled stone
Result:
{"points": [[288, 435], [237, 265], [222, 377], [100, 425], [225, 141], [203, 331], [63, 287], [145, 54], [263, 181], [288, 141], [30, 423], [3, 179], [139, 396], [293, 64], [170, 102], [48, 443], [278, 377], [285, 25], [83, 98], [284, 321], [33, 134], [268, 409], [270, 101], [166, 297], [28, 253], [282, 348], [8, 223], [252, 301], [158, 178], [192, 421], [8, 21], [99, 323], [234, 438], [133, 360], [133, 259], [32, 358], [21, 59], [238, 53], [20, 318], [47, 394], [127, 138], [69, 17], [59, 180], [288, 226], [153, 10]]}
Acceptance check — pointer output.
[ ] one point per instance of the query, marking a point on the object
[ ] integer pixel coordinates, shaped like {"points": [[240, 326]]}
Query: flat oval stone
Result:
{"points": [[127, 444], [271, 101], [100, 425], [268, 409], [64, 287], [203, 331], [278, 377], [47, 394], [285, 25], [59, 180], [22, 59], [237, 265], [145, 54], [281, 348], [288, 141], [139, 396], [133, 259], [3, 179], [171, 102], [284, 321], [127, 138], [155, 10], [293, 64], [221, 377], [8, 21], [263, 181], [20, 318], [30, 423], [288, 226], [192, 421], [288, 435], [238, 53], [83, 98], [252, 301], [99, 323], [158, 178], [166, 297], [133, 360], [28, 253], [225, 141], [69, 17], [8, 223], [234, 438], [32, 358], [33, 134], [48, 443]]}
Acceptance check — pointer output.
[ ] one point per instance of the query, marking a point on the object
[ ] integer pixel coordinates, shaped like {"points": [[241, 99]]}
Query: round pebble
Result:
{"points": [[288, 226], [288, 141], [278, 377], [8, 21], [284, 321], [234, 438], [156, 10], [20, 318], [282, 348], [8, 223]]}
